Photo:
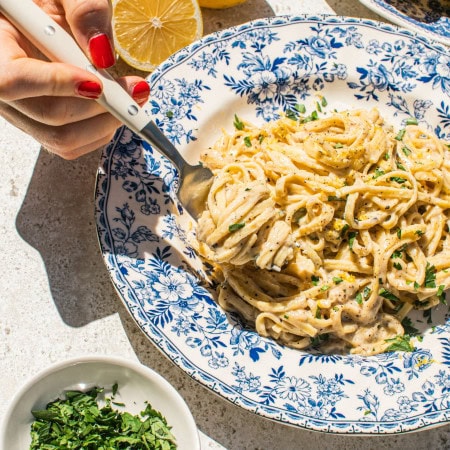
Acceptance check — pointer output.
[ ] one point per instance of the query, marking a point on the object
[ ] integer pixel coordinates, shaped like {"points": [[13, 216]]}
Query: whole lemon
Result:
{"points": [[219, 4]]}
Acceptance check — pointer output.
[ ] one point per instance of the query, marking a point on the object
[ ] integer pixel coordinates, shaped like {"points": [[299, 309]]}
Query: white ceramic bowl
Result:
{"points": [[137, 384]]}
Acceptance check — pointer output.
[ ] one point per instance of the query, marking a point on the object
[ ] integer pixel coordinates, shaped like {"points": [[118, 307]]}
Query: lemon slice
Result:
{"points": [[219, 4], [146, 32]]}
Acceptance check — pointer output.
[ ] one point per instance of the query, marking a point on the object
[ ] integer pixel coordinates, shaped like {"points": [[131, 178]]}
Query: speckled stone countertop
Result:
{"points": [[57, 301]]}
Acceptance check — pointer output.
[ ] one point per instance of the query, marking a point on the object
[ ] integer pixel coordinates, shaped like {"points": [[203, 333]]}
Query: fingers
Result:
{"points": [[69, 127], [69, 141], [90, 22], [60, 111], [53, 101], [27, 77]]}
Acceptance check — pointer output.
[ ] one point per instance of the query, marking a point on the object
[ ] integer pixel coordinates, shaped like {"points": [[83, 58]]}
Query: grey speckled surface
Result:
{"points": [[57, 301]]}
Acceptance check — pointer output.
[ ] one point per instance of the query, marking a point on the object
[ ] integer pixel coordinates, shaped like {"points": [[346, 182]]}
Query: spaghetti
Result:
{"points": [[330, 230]]}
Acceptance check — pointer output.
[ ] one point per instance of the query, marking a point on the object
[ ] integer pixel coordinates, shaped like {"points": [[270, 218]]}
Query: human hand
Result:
{"points": [[54, 102]]}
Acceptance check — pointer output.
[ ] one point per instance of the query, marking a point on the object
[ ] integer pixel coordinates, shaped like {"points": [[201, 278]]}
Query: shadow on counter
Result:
{"points": [[57, 219]]}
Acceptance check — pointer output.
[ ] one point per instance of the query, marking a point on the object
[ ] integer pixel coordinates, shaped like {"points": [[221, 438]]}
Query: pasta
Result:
{"points": [[328, 231]]}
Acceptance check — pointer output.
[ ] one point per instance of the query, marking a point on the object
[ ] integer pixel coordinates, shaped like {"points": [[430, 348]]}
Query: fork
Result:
{"points": [[58, 45]]}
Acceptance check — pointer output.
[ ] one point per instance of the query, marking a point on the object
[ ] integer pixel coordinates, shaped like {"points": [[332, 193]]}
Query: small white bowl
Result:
{"points": [[137, 384]]}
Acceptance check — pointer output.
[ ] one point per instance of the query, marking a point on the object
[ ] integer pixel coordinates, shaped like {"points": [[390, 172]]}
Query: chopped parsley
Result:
{"points": [[78, 421], [333, 198], [400, 344], [235, 227], [408, 327], [238, 124], [441, 294], [351, 239], [337, 280], [430, 276], [315, 280], [406, 151], [291, 114], [400, 134], [412, 121], [388, 295], [301, 108], [301, 212], [378, 173], [398, 180], [247, 141], [364, 295]]}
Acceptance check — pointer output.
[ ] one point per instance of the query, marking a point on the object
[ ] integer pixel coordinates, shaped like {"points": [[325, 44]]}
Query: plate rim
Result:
{"points": [[179, 58], [388, 12]]}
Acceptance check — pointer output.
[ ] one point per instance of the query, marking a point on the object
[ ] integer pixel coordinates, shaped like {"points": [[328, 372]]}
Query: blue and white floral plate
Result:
{"points": [[256, 70], [429, 17]]}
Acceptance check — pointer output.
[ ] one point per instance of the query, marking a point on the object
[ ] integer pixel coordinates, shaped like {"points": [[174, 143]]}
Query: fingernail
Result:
{"points": [[89, 89], [101, 51], [140, 91]]}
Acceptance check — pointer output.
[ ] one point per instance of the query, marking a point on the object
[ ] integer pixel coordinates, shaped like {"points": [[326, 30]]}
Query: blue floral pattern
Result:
{"points": [[430, 17], [258, 70]]}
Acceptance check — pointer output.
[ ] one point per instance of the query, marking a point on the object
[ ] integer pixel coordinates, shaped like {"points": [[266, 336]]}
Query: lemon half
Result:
{"points": [[146, 32]]}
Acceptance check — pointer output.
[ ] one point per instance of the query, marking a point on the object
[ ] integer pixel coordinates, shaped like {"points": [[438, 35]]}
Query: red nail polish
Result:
{"points": [[101, 51], [89, 89], [140, 91]]}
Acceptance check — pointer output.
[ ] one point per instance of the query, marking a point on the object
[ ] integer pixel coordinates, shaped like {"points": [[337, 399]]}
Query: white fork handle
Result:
{"points": [[58, 45]]}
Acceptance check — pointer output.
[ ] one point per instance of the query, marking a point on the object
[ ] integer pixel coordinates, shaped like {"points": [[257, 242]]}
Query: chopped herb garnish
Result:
{"points": [[378, 173], [359, 298], [397, 266], [315, 280], [388, 295], [301, 108], [238, 124], [319, 339], [364, 295], [325, 287], [333, 198], [318, 314], [412, 121], [261, 137], [430, 276], [169, 114], [416, 286], [400, 344], [406, 151], [399, 233], [351, 238], [324, 102], [314, 115], [301, 212], [386, 156], [400, 134], [398, 180], [338, 145], [441, 294], [344, 229], [401, 167], [319, 107], [78, 421], [235, 227], [247, 141], [408, 327], [291, 114], [419, 232], [337, 280]]}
